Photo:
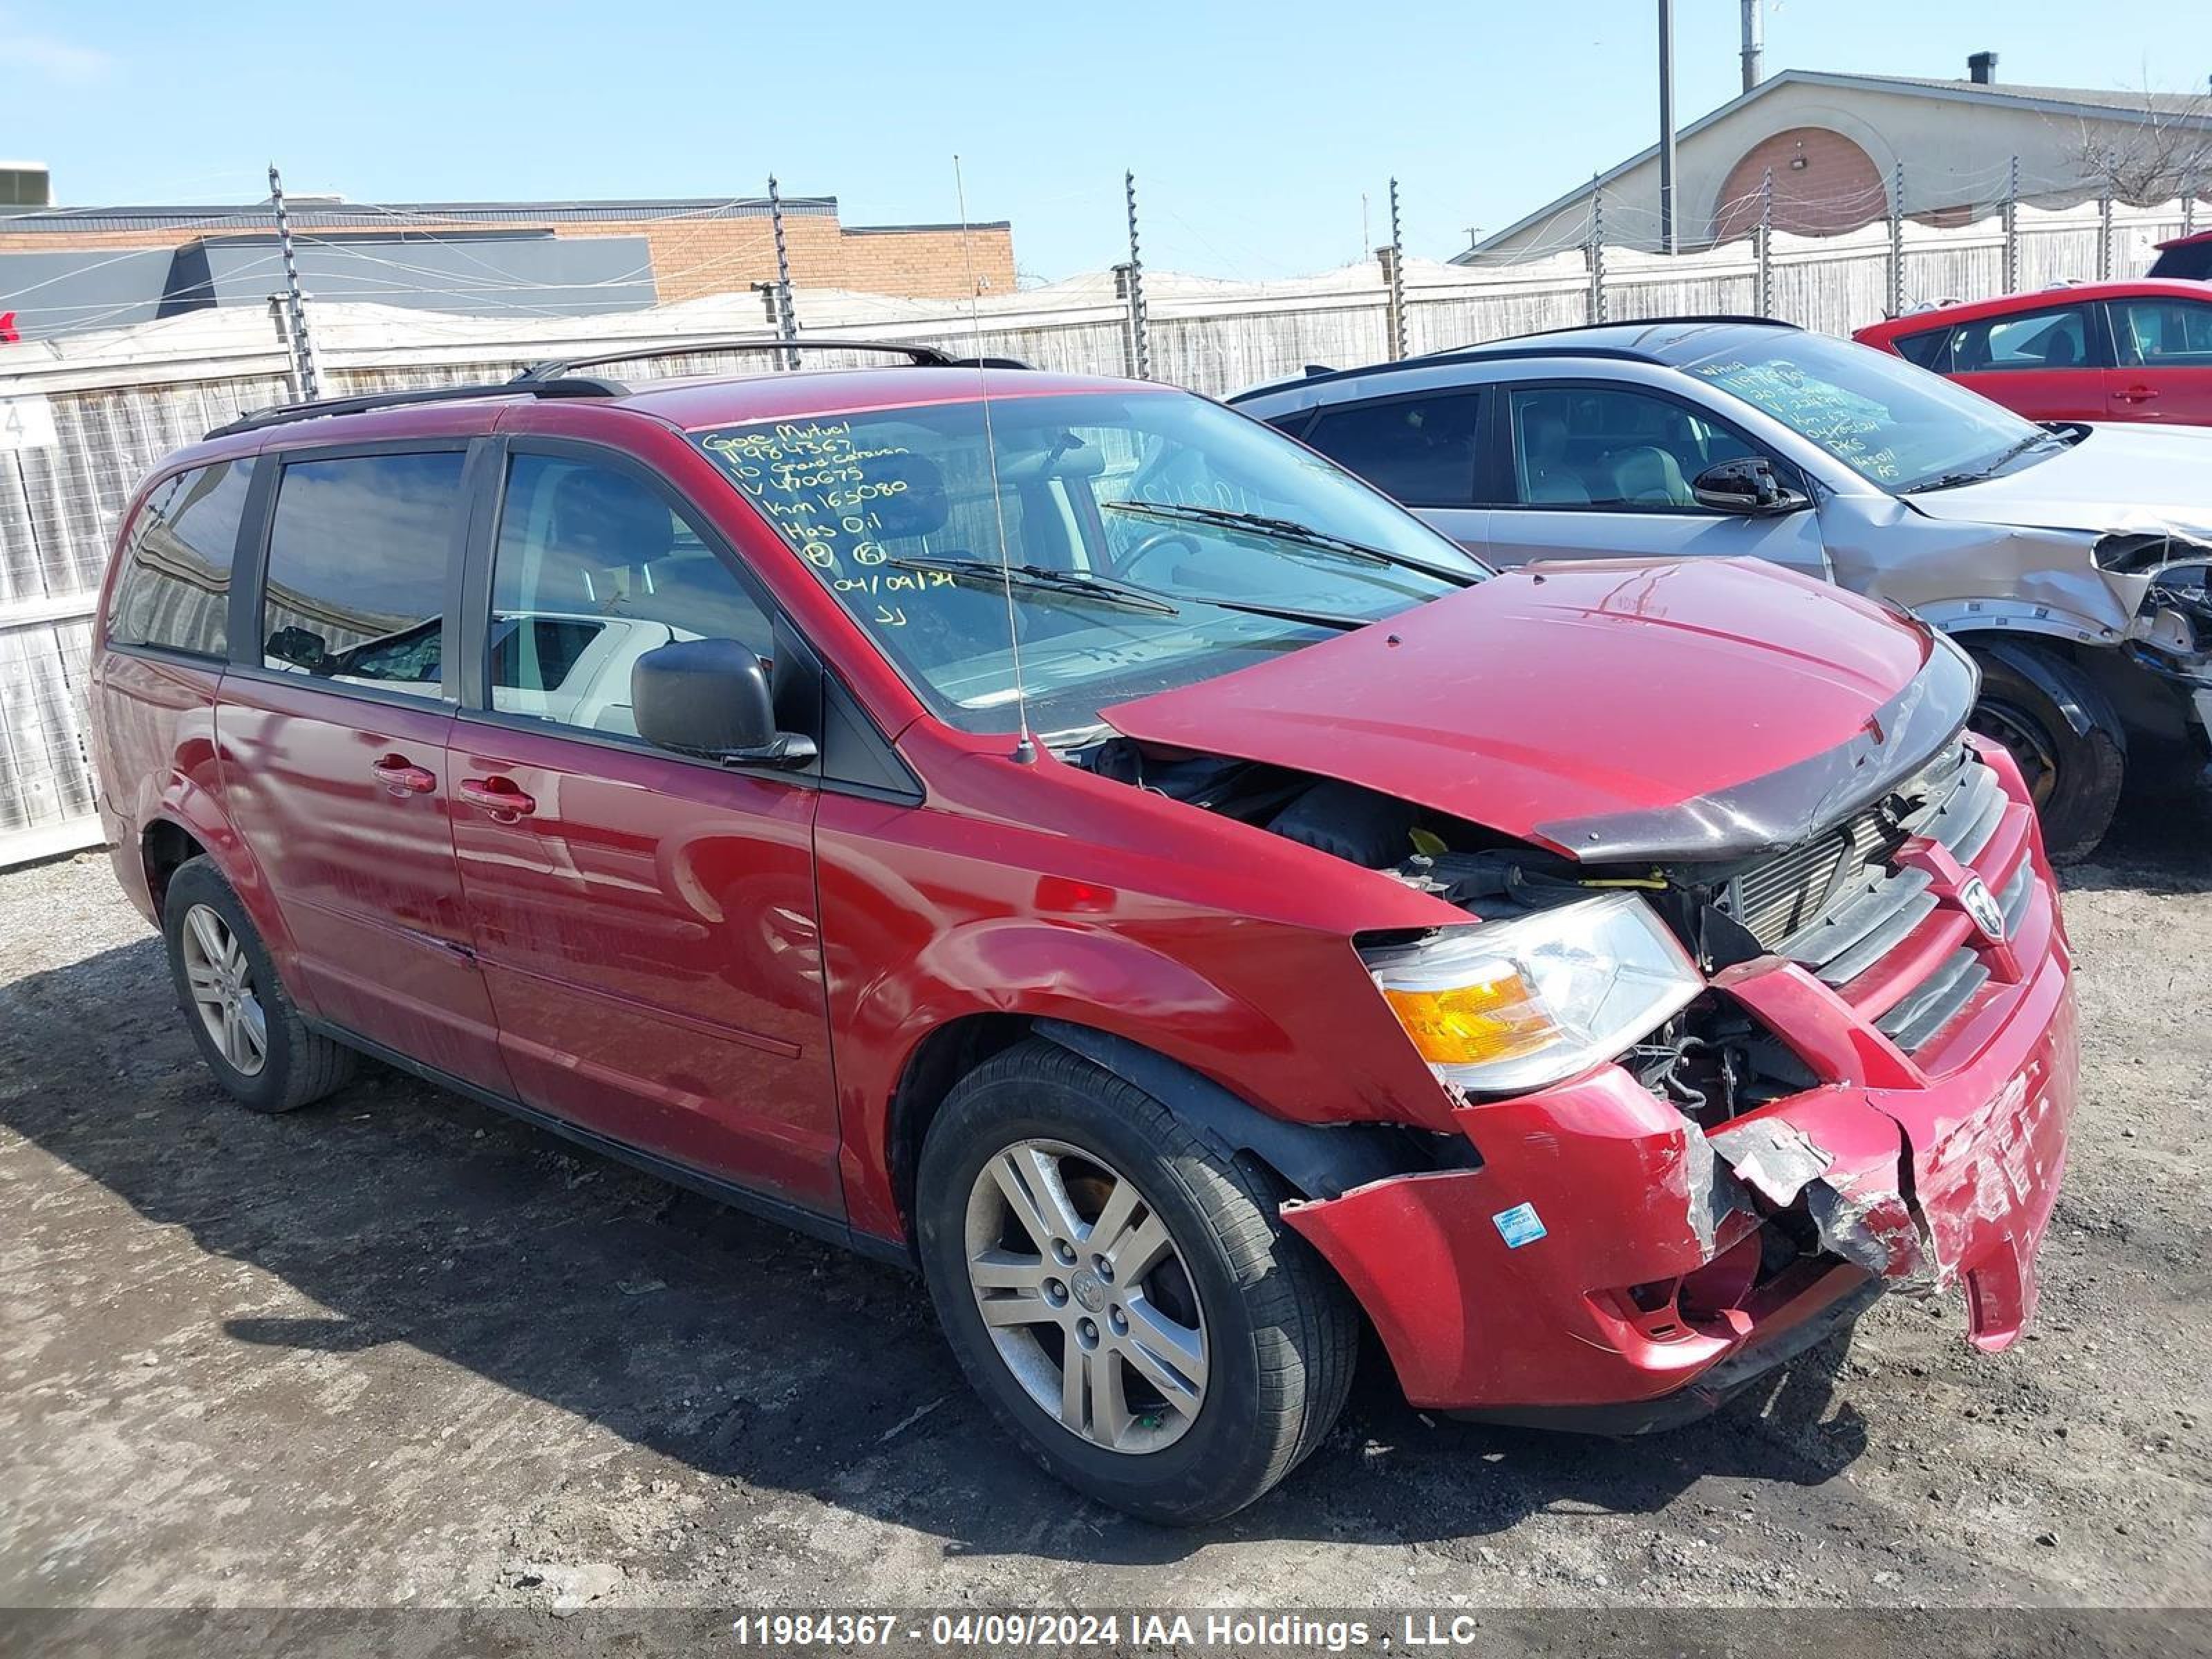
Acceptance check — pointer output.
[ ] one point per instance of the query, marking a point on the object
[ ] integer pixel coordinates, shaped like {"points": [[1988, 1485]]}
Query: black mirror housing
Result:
{"points": [[711, 698], [1746, 485]]}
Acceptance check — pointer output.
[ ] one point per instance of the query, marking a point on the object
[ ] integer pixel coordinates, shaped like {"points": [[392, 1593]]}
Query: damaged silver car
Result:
{"points": [[2073, 561]]}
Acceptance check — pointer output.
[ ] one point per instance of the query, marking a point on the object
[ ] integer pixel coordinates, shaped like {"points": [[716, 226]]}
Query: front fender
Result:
{"points": [[1106, 982]]}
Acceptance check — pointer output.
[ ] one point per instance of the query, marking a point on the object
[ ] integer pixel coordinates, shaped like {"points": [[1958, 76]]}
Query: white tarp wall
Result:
{"points": [[82, 419]]}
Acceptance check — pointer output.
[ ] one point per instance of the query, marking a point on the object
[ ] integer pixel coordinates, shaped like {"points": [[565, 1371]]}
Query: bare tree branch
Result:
{"points": [[2149, 153]]}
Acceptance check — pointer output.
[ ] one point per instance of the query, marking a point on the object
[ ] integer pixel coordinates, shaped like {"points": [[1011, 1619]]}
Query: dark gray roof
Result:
{"points": [[326, 213]]}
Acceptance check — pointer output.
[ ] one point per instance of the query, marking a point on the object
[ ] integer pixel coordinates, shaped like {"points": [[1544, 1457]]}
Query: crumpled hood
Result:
{"points": [[1619, 708], [2117, 479]]}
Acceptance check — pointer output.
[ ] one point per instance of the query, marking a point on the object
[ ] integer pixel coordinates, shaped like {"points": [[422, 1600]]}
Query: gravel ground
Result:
{"points": [[397, 1349]]}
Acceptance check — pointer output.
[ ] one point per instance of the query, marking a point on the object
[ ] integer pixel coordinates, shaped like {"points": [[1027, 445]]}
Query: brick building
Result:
{"points": [[64, 268]]}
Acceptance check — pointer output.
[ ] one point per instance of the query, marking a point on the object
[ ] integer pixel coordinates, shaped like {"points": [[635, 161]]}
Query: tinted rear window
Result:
{"points": [[1418, 450], [359, 551], [175, 591], [2192, 261]]}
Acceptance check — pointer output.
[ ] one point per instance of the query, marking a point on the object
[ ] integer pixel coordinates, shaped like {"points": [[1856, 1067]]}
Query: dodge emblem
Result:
{"points": [[1975, 899]]}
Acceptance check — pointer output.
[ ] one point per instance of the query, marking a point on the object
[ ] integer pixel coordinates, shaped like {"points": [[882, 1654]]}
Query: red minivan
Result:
{"points": [[1062, 834]]}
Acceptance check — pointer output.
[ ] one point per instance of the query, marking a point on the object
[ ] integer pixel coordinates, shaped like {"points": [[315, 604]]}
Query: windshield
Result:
{"points": [[1894, 425], [1124, 516]]}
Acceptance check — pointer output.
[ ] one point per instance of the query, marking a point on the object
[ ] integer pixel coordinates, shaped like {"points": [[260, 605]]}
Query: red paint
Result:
{"points": [[1593, 689], [2109, 384], [735, 969]]}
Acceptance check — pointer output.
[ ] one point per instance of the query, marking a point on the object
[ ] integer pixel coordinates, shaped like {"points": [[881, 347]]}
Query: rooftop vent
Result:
{"points": [[1982, 68]]}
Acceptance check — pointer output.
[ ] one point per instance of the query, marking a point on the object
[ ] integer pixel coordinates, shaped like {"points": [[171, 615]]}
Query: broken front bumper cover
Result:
{"points": [[1607, 1252]]}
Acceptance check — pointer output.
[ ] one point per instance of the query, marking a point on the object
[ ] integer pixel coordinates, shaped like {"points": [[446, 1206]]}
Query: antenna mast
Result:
{"points": [[1025, 750]]}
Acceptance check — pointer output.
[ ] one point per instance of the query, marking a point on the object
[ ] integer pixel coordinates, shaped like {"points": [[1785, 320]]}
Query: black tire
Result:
{"points": [[2030, 699], [1281, 1332], [299, 1065]]}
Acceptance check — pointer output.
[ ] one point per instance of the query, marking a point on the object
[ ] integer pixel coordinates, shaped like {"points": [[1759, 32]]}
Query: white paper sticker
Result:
{"points": [[26, 423]]}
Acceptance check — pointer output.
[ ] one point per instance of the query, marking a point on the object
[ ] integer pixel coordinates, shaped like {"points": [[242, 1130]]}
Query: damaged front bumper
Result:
{"points": [[1607, 1253]]}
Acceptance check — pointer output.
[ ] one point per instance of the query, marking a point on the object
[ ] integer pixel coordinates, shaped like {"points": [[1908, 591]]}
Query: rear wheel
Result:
{"points": [[2064, 733], [1125, 1299], [249, 1031]]}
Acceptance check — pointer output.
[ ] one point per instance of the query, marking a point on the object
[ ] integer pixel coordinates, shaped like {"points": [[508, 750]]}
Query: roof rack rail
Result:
{"points": [[556, 377], [921, 356], [279, 414], [1745, 318]]}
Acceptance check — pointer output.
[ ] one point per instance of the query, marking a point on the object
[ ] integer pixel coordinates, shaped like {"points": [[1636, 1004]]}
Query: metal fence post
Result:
{"points": [[2105, 237], [1596, 255], [1393, 274], [1764, 303], [787, 321], [1140, 325], [1128, 322], [2012, 230], [2188, 203], [1897, 242], [303, 350]]}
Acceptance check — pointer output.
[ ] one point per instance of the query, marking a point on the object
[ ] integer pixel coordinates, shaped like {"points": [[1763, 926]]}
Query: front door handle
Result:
{"points": [[502, 797], [401, 777], [2136, 394]]}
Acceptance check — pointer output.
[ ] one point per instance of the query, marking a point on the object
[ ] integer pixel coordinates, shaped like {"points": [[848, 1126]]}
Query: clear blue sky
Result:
{"points": [[1254, 129]]}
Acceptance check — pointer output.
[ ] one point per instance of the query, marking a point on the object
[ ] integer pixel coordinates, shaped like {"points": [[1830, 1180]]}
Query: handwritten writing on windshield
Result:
{"points": [[1847, 426], [828, 495]]}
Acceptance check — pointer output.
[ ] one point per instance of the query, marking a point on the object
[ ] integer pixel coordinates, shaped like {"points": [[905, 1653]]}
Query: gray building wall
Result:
{"points": [[480, 273]]}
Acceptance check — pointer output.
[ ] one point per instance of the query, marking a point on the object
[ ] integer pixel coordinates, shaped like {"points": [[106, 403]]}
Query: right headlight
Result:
{"points": [[1508, 1005]]}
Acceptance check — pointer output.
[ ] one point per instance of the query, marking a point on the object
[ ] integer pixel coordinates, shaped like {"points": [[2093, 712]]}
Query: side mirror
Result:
{"points": [[1746, 485], [710, 698], [302, 648]]}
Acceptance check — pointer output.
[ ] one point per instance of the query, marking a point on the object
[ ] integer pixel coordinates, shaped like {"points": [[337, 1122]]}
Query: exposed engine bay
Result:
{"points": [[1711, 1061]]}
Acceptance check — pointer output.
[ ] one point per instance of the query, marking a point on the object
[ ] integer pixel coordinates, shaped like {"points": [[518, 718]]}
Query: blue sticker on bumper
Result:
{"points": [[1519, 1226]]}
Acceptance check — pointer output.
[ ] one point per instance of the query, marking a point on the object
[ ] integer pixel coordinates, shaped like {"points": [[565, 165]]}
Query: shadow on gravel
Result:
{"points": [[2160, 841], [424, 1222]]}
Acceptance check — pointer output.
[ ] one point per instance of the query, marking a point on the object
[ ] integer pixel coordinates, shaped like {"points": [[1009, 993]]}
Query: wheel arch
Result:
{"points": [[1314, 1161]]}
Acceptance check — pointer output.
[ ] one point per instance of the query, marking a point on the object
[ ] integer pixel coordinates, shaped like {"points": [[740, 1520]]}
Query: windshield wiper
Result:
{"points": [[1989, 468], [1099, 590], [1104, 590], [1289, 530]]}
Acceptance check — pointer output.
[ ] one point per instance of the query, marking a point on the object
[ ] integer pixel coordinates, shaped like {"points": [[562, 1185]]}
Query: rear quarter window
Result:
{"points": [[360, 547], [1925, 349], [173, 591]]}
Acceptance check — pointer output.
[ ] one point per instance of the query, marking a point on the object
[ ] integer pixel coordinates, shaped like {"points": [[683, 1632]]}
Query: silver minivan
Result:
{"points": [[2070, 559]]}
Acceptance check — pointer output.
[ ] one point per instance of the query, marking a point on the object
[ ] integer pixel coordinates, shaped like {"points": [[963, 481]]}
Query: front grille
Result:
{"points": [[1837, 907]]}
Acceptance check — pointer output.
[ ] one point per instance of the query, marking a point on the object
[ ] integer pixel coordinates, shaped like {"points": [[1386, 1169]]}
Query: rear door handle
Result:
{"points": [[401, 777], [2136, 394], [500, 797]]}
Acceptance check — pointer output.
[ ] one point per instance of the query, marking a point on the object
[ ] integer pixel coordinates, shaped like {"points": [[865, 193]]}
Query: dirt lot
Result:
{"points": [[397, 1349]]}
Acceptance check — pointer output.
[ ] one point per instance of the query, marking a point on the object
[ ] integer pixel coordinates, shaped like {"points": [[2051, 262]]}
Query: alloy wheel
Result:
{"points": [[221, 983], [1086, 1296]]}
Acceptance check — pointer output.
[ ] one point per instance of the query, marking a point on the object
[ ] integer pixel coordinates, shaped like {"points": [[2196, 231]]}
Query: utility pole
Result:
{"points": [[2105, 237], [2012, 229], [1766, 306], [303, 350], [1897, 242], [786, 322], [1666, 126], [2188, 203], [1753, 47], [1140, 325]]}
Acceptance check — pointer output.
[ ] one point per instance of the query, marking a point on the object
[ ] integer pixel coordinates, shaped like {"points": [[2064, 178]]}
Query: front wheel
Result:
{"points": [[2066, 736], [1124, 1297]]}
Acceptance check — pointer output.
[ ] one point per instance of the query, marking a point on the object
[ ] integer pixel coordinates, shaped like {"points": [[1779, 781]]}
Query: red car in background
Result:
{"points": [[2134, 351]]}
